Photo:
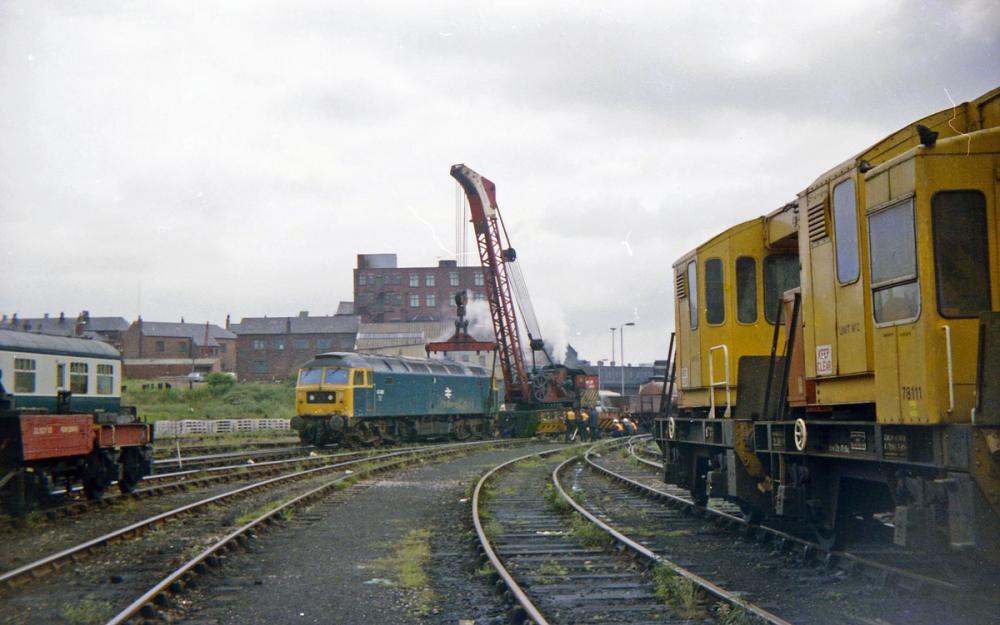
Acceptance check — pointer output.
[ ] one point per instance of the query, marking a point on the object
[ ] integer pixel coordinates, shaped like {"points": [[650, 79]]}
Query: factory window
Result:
{"points": [[395, 299], [260, 366], [961, 253], [692, 284], [24, 375], [429, 279], [452, 278], [414, 300], [361, 280], [414, 279], [395, 278], [105, 379], [781, 272], [379, 281], [430, 299], [222, 347], [258, 345], [324, 343], [892, 247], [715, 302], [301, 343], [160, 346], [477, 279], [746, 289], [78, 377], [181, 346], [279, 344], [845, 230]]}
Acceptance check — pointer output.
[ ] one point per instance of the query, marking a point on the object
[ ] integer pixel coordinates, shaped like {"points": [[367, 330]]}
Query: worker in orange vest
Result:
{"points": [[572, 425]]}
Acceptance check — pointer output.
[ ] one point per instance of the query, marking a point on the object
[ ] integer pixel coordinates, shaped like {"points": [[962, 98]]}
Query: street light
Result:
{"points": [[621, 345], [613, 346]]}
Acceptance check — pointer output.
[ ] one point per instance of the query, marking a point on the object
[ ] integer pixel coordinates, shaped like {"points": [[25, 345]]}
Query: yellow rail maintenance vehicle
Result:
{"points": [[839, 358]]}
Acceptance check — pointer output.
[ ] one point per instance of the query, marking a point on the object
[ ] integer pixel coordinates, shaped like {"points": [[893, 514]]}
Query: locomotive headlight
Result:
{"points": [[331, 397], [310, 397]]}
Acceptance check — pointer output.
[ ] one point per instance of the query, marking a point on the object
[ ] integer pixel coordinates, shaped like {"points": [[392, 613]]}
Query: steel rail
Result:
{"points": [[701, 582], [533, 614], [35, 568], [173, 581], [807, 545]]}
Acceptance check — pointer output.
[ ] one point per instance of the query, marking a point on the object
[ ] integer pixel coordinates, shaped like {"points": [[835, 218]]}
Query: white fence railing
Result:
{"points": [[193, 427]]}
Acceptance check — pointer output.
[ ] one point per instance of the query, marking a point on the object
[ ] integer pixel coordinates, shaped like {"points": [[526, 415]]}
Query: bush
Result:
{"points": [[221, 397]]}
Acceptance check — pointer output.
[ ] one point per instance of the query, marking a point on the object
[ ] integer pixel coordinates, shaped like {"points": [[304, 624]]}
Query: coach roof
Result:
{"points": [[13, 341]]}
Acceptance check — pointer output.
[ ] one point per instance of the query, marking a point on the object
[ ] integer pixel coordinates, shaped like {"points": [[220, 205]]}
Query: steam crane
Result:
{"points": [[505, 288]]}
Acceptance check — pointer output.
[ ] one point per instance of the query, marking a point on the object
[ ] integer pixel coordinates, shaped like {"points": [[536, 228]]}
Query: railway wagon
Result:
{"points": [[61, 420], [870, 405], [364, 399]]}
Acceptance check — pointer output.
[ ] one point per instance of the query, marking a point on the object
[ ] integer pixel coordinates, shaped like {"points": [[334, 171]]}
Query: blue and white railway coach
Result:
{"points": [[37, 366], [370, 398], [62, 422]]}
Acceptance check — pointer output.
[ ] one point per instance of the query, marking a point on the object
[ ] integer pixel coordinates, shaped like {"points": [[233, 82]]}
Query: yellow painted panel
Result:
{"points": [[824, 355], [887, 408], [902, 178], [855, 389], [914, 392], [852, 326], [876, 190]]}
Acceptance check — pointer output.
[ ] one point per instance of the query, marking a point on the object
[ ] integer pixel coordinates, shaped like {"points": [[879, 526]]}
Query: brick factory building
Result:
{"points": [[146, 345], [271, 348], [384, 292]]}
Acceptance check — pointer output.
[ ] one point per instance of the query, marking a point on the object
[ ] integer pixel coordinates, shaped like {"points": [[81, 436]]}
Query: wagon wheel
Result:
{"points": [[131, 461], [369, 436], [461, 430], [98, 471]]}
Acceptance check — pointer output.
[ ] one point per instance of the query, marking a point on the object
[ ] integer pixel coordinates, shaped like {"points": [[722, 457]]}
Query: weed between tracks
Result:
{"points": [[87, 611], [679, 593], [408, 564]]}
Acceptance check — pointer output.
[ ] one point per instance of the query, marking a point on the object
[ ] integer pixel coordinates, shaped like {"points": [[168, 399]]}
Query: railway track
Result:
{"points": [[935, 591], [557, 566], [197, 534]]}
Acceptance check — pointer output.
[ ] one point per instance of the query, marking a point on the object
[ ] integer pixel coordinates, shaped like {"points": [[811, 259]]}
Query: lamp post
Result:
{"points": [[621, 345], [613, 346]]}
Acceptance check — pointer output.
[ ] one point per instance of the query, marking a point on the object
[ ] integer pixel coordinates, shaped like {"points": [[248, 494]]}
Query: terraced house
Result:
{"points": [[272, 348]]}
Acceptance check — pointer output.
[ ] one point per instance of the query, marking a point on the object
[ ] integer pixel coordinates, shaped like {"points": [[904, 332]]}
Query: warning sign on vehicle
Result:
{"points": [[824, 360]]}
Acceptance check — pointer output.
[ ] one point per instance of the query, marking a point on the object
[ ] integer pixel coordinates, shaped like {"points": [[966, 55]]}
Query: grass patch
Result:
{"points": [[408, 565], [589, 534], [220, 398], [733, 615], [679, 593], [551, 572], [87, 611], [555, 500], [246, 517]]}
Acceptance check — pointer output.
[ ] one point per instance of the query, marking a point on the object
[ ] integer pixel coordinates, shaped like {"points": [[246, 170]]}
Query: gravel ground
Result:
{"points": [[341, 560]]}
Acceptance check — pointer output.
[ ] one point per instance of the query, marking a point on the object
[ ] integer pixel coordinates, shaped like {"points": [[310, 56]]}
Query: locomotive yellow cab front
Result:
{"points": [[324, 391]]}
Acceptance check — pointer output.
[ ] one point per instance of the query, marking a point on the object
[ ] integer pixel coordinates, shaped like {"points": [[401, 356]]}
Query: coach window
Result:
{"points": [[78, 377], [715, 302], [105, 379], [845, 228], [781, 273], [24, 375], [746, 289], [961, 253], [892, 247], [692, 284]]}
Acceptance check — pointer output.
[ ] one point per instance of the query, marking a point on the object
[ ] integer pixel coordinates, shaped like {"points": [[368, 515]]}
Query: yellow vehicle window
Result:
{"points": [[310, 376], [781, 273], [961, 253], [692, 284], [359, 378], [892, 247], [715, 303], [845, 227], [746, 289]]}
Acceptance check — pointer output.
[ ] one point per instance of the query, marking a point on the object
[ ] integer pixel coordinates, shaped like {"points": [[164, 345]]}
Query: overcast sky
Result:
{"points": [[234, 157]]}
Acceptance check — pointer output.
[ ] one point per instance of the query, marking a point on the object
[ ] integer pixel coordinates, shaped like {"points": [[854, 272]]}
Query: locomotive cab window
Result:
{"points": [[24, 375], [715, 302], [746, 289], [961, 253], [692, 290], [845, 229], [336, 376], [359, 378], [892, 247], [781, 273], [78, 378], [310, 376], [105, 379]]}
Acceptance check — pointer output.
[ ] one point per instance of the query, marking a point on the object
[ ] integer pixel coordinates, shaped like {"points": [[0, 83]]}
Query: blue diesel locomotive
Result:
{"points": [[367, 399]]}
